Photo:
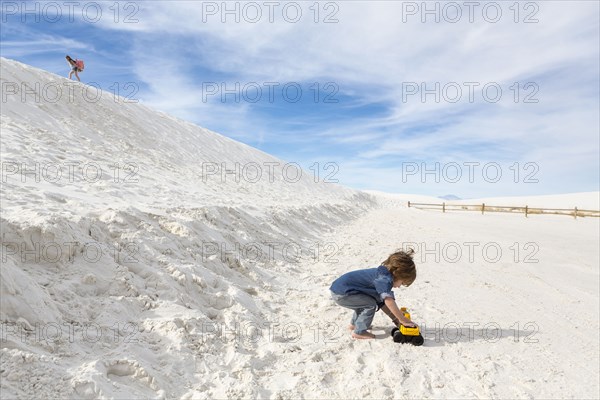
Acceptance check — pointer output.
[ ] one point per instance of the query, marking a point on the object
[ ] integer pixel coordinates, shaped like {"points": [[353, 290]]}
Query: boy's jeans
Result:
{"points": [[364, 307]]}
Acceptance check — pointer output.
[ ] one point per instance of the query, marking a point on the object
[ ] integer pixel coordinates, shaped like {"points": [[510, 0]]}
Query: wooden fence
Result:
{"points": [[574, 212]]}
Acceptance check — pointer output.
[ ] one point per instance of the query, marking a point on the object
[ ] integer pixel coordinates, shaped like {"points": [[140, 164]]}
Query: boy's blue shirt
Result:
{"points": [[375, 282]]}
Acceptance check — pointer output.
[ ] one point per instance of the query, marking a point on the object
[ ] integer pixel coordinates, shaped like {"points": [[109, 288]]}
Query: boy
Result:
{"points": [[367, 290]]}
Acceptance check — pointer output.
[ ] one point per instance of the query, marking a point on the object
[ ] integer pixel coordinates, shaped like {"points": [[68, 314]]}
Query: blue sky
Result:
{"points": [[394, 82]]}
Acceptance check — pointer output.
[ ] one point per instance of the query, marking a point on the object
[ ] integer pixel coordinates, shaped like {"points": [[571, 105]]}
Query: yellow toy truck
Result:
{"points": [[406, 334]]}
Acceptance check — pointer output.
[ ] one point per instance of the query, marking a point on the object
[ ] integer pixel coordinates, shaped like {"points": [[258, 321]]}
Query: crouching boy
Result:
{"points": [[367, 290]]}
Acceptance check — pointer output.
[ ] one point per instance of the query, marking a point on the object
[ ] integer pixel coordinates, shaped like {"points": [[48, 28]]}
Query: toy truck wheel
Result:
{"points": [[418, 340], [394, 330], [400, 338]]}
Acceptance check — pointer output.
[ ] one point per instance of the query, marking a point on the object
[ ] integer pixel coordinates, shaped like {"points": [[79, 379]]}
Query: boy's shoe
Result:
{"points": [[364, 335]]}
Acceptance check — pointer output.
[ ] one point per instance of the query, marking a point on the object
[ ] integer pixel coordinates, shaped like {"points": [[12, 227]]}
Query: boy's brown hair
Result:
{"points": [[401, 266]]}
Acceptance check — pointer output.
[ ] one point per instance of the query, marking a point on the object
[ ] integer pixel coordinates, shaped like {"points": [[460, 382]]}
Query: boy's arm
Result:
{"points": [[387, 312], [390, 303]]}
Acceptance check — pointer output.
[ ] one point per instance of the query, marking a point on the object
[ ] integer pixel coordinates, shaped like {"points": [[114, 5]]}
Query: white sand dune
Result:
{"points": [[170, 280]]}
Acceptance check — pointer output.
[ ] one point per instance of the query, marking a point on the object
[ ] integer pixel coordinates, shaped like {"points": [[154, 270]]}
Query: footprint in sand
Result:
{"points": [[131, 375]]}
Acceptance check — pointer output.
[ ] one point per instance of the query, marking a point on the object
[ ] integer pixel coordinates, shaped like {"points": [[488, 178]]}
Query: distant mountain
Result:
{"points": [[449, 197]]}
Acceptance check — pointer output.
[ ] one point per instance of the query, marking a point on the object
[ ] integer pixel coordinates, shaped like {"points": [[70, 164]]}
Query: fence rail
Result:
{"points": [[574, 212]]}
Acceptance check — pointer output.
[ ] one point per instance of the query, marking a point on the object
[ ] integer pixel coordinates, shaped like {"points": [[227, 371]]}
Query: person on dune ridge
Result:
{"points": [[76, 67], [367, 290]]}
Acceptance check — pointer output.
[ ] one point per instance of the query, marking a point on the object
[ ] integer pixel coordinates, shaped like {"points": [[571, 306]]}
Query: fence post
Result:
{"points": [[575, 213], [526, 208], [482, 208], [409, 204], [443, 207]]}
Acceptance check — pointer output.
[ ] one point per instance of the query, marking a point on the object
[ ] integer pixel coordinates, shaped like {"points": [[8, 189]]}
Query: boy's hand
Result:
{"points": [[408, 323]]}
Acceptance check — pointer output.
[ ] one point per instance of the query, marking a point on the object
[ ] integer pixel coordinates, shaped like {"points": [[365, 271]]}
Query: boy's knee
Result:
{"points": [[370, 309]]}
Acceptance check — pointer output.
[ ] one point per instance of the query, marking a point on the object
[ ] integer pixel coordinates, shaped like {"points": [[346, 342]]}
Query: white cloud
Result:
{"points": [[370, 53]]}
